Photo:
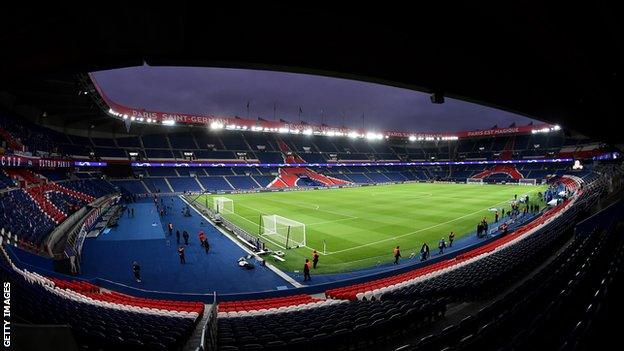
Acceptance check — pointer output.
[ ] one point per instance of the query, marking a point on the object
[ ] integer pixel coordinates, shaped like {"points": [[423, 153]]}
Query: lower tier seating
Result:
{"points": [[350, 323], [96, 324]]}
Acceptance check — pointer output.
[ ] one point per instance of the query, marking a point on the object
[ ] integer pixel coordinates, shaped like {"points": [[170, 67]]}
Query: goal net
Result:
{"points": [[284, 231], [478, 181], [527, 181], [223, 205]]}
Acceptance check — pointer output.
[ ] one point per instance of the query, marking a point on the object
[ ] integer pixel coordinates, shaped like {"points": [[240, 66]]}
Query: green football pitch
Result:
{"points": [[359, 227]]}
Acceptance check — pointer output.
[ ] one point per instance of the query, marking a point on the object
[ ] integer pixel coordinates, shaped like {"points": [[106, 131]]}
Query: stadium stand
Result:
{"points": [[408, 304], [22, 217], [100, 320]]}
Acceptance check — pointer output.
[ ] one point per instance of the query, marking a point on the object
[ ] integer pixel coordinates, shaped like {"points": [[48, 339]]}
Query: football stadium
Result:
{"points": [[168, 186]]}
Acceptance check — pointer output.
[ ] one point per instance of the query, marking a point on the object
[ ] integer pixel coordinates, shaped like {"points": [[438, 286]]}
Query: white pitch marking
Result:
{"points": [[333, 221], [416, 231]]}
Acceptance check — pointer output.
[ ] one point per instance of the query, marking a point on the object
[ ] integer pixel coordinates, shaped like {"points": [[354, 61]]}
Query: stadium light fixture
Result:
{"points": [[374, 136], [169, 122], [132, 118], [216, 125], [283, 130], [412, 138], [307, 131]]}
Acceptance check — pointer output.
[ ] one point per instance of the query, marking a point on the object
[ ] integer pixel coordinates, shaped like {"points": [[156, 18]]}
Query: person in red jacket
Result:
{"points": [[203, 242], [315, 258], [306, 270]]}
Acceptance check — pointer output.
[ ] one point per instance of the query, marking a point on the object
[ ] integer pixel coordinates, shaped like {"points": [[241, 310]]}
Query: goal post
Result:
{"points": [[476, 181], [223, 205], [527, 181], [284, 231]]}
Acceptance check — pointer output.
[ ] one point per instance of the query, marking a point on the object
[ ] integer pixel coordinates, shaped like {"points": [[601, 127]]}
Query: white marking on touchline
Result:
{"points": [[416, 231]]}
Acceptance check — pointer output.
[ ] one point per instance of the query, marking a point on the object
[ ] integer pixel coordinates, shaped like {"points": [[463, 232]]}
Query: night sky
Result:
{"points": [[218, 91]]}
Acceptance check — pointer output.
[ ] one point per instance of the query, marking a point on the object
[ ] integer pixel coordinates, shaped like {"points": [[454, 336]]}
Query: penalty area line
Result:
{"points": [[274, 269]]}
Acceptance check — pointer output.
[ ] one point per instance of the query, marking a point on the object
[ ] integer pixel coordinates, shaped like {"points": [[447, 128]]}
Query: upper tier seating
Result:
{"points": [[215, 183], [155, 141], [132, 186], [182, 141], [130, 142], [242, 182], [182, 184], [157, 185], [93, 187], [54, 175], [155, 154], [270, 157]]}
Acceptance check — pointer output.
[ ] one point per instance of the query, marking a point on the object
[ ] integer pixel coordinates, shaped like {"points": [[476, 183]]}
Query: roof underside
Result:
{"points": [[560, 64]]}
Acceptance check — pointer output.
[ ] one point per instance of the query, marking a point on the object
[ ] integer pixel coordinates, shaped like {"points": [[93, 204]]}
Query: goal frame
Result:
{"points": [[270, 228], [218, 202], [475, 181], [527, 181]]}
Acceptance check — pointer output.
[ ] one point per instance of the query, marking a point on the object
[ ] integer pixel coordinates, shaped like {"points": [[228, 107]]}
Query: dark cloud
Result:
{"points": [[226, 92]]}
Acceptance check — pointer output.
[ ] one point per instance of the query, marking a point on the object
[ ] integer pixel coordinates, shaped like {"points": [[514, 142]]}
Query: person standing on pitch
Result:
{"points": [[170, 228], [306, 270], [397, 254], [424, 252], [315, 258], [177, 236], [185, 235], [181, 254], [136, 269], [451, 239], [496, 217], [441, 246]]}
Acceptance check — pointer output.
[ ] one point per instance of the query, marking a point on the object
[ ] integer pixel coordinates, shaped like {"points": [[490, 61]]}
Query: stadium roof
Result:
{"points": [[293, 98], [533, 59]]}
